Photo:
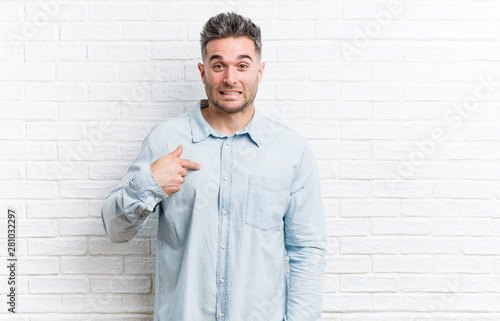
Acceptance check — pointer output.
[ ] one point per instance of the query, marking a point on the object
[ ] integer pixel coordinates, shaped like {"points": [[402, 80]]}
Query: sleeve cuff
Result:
{"points": [[147, 188]]}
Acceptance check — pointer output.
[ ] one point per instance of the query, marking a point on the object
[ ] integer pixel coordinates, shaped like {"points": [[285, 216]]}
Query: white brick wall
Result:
{"points": [[398, 98]]}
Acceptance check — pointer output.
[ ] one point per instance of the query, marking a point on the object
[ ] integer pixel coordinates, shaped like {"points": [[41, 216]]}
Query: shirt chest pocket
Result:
{"points": [[267, 202]]}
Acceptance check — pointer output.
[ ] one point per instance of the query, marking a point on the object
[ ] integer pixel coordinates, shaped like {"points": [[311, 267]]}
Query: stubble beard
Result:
{"points": [[211, 93]]}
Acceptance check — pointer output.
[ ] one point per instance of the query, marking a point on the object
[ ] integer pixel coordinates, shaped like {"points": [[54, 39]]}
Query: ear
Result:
{"points": [[202, 71], [261, 70]]}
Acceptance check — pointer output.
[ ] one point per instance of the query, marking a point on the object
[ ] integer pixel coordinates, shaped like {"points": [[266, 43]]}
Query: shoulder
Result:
{"points": [[170, 126]]}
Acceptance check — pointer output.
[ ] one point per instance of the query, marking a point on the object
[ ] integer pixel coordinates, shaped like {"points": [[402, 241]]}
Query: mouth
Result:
{"points": [[230, 93]]}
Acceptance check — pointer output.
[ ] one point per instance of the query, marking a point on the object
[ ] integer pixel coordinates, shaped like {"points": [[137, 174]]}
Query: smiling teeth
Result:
{"points": [[230, 92]]}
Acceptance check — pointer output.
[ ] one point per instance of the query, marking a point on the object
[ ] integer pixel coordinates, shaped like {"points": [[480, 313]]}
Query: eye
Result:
{"points": [[218, 67], [243, 66]]}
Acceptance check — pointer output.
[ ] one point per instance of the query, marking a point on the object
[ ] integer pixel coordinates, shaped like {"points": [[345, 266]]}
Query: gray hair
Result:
{"points": [[231, 24]]}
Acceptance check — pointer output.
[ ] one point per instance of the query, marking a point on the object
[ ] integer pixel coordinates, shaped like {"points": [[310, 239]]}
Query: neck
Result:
{"points": [[227, 123]]}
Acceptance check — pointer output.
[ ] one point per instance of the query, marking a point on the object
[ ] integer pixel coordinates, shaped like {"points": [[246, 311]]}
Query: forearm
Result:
{"points": [[305, 292], [127, 206]]}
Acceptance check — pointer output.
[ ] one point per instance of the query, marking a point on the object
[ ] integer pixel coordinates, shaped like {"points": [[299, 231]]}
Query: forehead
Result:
{"points": [[232, 47]]}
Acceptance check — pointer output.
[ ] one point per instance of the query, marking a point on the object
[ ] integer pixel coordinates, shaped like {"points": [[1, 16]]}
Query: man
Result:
{"points": [[245, 189]]}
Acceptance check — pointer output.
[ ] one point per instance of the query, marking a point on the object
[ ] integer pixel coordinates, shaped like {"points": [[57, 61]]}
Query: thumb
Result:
{"points": [[177, 152]]}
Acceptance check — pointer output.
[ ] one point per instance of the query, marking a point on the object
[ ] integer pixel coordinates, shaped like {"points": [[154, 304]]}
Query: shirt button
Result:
{"points": [[223, 246], [226, 178], [221, 280], [224, 212], [157, 199], [221, 314], [227, 146]]}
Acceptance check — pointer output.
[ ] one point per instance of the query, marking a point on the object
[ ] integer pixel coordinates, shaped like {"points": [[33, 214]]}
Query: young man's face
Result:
{"points": [[231, 72]]}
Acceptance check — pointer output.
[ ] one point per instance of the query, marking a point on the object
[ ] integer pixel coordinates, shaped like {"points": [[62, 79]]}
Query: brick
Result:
{"points": [[90, 31], [89, 111], [467, 190], [319, 10], [403, 72], [429, 283], [400, 226], [57, 246], [340, 72], [10, 12], [152, 31], [286, 71], [121, 11], [400, 302], [27, 72], [12, 130], [61, 12], [105, 246], [346, 302], [368, 130], [91, 265], [440, 11], [12, 171], [483, 246], [319, 51], [10, 91], [107, 171], [120, 284], [37, 228], [102, 303], [309, 91], [369, 245], [57, 209], [461, 264], [370, 208], [142, 266], [132, 92], [463, 227], [39, 265], [347, 227], [51, 92], [29, 111], [39, 303], [59, 284], [184, 92], [146, 73], [480, 208], [345, 189], [370, 51], [86, 72], [368, 283], [55, 131], [77, 226], [317, 130], [341, 110], [402, 264], [366, 92], [55, 52], [287, 30], [372, 10], [368, 170], [176, 51], [430, 245], [401, 189], [118, 53], [348, 264], [183, 11], [28, 190]]}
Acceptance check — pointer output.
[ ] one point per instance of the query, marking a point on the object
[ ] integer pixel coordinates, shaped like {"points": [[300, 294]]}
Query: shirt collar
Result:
{"points": [[200, 129]]}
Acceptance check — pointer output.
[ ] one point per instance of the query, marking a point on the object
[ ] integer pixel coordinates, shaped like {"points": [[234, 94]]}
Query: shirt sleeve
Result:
{"points": [[127, 206], [305, 243]]}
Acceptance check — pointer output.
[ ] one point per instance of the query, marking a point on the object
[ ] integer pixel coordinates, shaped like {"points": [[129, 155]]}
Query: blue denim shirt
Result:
{"points": [[222, 237]]}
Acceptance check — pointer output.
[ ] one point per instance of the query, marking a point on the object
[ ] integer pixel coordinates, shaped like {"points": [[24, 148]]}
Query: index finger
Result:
{"points": [[186, 163]]}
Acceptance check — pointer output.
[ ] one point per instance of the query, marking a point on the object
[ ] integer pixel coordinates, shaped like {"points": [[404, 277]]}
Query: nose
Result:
{"points": [[230, 76]]}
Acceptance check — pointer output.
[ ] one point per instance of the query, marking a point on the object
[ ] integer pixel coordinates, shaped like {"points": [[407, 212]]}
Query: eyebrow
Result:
{"points": [[239, 57]]}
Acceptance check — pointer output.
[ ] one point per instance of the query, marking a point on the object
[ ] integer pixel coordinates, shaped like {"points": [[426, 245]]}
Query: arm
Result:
{"points": [[126, 208], [145, 185], [305, 243]]}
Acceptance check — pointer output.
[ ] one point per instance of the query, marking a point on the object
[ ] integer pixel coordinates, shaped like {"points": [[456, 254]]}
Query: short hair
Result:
{"points": [[231, 24]]}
